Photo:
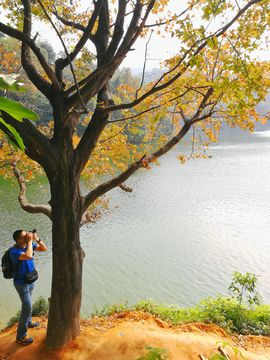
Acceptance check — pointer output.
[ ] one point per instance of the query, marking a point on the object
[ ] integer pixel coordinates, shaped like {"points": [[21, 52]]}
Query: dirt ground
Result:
{"points": [[125, 336]]}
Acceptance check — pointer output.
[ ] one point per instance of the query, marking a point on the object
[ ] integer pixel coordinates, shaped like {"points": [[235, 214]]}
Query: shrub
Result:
{"points": [[39, 308]]}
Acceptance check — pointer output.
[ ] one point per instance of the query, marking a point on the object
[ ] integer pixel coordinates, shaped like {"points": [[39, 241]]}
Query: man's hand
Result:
{"points": [[40, 244], [29, 251], [35, 237], [29, 237]]}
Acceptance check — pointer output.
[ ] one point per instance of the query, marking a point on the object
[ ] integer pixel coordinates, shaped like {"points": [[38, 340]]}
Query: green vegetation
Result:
{"points": [[13, 108], [155, 354], [221, 357], [222, 311], [243, 284], [39, 308], [158, 354], [250, 318]]}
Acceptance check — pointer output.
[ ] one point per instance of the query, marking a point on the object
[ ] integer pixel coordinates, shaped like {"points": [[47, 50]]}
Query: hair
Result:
{"points": [[17, 235]]}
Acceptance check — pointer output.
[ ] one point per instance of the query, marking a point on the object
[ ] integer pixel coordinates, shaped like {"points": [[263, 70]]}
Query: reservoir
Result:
{"points": [[177, 238]]}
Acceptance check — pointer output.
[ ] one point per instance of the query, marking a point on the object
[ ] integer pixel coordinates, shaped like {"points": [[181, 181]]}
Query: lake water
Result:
{"points": [[179, 237]]}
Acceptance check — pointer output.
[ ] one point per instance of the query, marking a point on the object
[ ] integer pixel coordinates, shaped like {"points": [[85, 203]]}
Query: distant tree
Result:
{"points": [[48, 52], [122, 85], [122, 76], [211, 79]]}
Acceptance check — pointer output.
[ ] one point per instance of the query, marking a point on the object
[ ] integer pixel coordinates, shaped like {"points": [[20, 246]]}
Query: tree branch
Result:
{"points": [[204, 102], [86, 218], [117, 34], [27, 64], [125, 188], [69, 23], [87, 148], [147, 159], [26, 206], [143, 162], [149, 109], [144, 66], [157, 88], [42, 84], [86, 34], [94, 83], [37, 146], [68, 57], [170, 20], [134, 30]]}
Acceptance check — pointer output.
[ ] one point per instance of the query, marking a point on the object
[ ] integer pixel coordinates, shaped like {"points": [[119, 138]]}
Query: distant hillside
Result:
{"points": [[150, 75]]}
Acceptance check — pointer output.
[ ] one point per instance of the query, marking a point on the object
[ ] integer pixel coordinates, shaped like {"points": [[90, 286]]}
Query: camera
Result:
{"points": [[33, 231]]}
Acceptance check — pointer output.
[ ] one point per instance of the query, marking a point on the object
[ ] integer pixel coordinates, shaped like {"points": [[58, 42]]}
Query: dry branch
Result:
{"points": [[224, 353], [125, 188], [86, 218]]}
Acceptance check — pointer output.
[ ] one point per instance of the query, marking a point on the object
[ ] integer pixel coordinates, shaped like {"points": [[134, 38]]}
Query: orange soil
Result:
{"points": [[125, 336]]}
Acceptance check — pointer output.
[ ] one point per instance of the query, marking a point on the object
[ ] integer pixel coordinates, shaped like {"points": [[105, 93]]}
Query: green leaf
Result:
{"points": [[213, 42], [15, 134], [10, 142], [217, 356], [9, 82], [17, 110]]}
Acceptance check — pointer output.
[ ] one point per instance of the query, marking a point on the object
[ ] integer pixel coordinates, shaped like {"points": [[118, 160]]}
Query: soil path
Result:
{"points": [[125, 337]]}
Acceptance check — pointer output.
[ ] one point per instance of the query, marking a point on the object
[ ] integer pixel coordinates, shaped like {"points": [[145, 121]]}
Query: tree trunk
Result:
{"points": [[64, 316]]}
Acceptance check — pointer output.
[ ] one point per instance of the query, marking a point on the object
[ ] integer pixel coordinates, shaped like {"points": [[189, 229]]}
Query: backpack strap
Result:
{"points": [[17, 265]]}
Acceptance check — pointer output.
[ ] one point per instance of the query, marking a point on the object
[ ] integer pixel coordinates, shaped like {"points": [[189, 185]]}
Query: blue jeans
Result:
{"points": [[25, 291]]}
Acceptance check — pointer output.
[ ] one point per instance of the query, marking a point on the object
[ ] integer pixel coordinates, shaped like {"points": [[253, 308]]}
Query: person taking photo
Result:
{"points": [[21, 256]]}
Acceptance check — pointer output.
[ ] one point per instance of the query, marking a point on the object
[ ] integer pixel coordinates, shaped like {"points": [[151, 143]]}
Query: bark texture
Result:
{"points": [[64, 319]]}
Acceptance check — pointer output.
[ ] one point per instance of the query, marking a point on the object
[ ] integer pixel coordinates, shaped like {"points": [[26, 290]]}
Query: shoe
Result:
{"points": [[33, 325], [24, 341]]}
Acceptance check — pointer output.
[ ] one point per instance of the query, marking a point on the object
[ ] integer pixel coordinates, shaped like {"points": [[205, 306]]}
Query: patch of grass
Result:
{"points": [[39, 308], [173, 314], [108, 310], [220, 310]]}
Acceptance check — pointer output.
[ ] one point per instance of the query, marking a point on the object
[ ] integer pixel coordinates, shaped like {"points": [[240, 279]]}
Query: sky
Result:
{"points": [[158, 49]]}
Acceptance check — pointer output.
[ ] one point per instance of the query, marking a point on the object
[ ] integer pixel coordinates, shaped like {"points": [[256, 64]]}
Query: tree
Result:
{"points": [[48, 52], [211, 79], [243, 284]]}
